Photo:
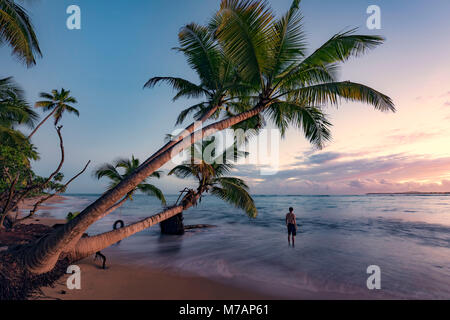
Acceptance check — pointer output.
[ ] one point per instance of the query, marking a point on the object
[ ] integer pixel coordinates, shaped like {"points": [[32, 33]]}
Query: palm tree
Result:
{"points": [[57, 102], [210, 173], [219, 80], [14, 110], [16, 30], [112, 171], [292, 86]]}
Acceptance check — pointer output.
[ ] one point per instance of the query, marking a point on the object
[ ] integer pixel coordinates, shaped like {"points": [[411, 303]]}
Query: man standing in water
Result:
{"points": [[291, 224]]}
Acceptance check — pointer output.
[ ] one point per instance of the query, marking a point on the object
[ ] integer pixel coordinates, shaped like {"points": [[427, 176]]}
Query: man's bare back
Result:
{"points": [[291, 223]]}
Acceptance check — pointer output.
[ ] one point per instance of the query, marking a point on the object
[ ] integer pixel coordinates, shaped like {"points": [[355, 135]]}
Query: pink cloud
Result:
{"points": [[358, 176], [413, 137]]}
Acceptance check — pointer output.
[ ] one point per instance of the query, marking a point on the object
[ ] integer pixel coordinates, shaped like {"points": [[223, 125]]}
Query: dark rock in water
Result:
{"points": [[173, 226]]}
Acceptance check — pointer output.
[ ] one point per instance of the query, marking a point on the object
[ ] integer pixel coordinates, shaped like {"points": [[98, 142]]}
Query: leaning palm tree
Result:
{"points": [[16, 30], [292, 85], [58, 102], [219, 84], [119, 170], [209, 170]]}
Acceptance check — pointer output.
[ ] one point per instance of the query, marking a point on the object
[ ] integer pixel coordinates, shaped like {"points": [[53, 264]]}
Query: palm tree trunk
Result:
{"points": [[41, 123], [115, 207], [186, 132], [43, 256], [90, 245]]}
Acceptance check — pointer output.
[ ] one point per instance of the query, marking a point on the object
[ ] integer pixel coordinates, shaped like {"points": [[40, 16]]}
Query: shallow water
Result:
{"points": [[408, 237]]}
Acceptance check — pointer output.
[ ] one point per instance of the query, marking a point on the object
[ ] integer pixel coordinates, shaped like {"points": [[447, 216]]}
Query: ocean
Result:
{"points": [[339, 237]]}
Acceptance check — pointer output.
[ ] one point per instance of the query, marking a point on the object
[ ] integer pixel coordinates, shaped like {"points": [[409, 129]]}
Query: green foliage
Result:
{"points": [[59, 102], [72, 215], [271, 56], [14, 111], [16, 30], [219, 79], [15, 162], [210, 170], [122, 168]]}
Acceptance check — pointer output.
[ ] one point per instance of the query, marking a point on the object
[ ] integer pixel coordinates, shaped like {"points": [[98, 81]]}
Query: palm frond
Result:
{"points": [[186, 112], [202, 53], [235, 192], [153, 191], [182, 171], [109, 171], [334, 91], [183, 87], [17, 30], [342, 46], [289, 41], [311, 120], [244, 30]]}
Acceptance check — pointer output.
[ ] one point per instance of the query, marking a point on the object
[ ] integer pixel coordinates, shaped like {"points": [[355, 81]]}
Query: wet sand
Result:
{"points": [[122, 281]]}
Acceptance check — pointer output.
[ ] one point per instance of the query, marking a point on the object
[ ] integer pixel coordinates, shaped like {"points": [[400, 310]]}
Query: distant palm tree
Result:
{"points": [[16, 30], [210, 172], [57, 102], [14, 110], [128, 166]]}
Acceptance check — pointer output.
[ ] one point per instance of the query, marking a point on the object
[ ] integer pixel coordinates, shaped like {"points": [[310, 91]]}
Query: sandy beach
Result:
{"points": [[121, 281]]}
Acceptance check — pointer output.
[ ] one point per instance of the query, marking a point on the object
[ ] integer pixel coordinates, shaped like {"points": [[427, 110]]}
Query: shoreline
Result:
{"points": [[146, 283], [123, 280], [120, 281]]}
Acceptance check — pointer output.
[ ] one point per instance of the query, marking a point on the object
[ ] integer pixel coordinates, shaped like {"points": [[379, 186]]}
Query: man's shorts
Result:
{"points": [[291, 229]]}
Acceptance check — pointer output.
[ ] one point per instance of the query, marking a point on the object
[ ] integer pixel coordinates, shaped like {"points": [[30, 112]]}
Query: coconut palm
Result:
{"points": [[16, 30], [58, 102], [293, 88], [219, 80], [127, 166], [210, 172]]}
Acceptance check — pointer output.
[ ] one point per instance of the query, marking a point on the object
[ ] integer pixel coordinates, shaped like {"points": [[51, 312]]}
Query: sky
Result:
{"points": [[122, 44]]}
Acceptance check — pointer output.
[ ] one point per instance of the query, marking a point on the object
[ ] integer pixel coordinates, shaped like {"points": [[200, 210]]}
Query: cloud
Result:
{"points": [[340, 174], [412, 137], [356, 184], [447, 104], [321, 157]]}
